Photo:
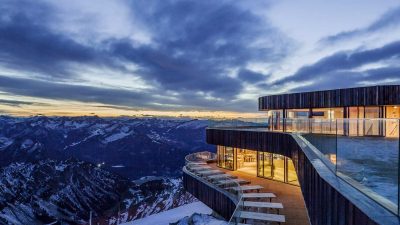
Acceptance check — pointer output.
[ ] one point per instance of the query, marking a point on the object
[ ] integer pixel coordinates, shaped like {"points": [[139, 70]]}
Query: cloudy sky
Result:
{"points": [[169, 57]]}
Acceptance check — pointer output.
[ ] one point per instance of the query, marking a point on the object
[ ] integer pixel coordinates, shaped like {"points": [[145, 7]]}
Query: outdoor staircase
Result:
{"points": [[250, 212]]}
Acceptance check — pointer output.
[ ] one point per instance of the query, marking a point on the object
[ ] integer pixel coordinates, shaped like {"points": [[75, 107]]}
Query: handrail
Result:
{"points": [[197, 157], [205, 157], [239, 205]]}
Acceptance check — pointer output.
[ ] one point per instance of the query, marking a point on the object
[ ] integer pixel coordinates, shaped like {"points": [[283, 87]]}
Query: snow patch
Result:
{"points": [[118, 166], [174, 215], [26, 144], [5, 142], [61, 167], [116, 137]]}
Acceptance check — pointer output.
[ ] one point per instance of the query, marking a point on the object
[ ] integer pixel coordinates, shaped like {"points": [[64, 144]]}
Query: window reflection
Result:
{"points": [[372, 126], [276, 167], [392, 125], [226, 157], [292, 175]]}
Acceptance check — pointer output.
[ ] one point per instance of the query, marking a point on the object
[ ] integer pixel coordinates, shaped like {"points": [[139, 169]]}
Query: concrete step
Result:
{"points": [[258, 195], [209, 172], [271, 205], [267, 217], [232, 182], [197, 163], [247, 188], [199, 168], [221, 177]]}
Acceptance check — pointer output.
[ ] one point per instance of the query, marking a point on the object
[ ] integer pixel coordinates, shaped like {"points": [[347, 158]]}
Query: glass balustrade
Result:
{"points": [[362, 152], [370, 162], [261, 123]]}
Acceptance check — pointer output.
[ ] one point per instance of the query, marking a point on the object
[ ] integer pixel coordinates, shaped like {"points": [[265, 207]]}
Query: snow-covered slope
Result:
{"points": [[196, 211], [48, 191], [66, 191], [58, 169]]}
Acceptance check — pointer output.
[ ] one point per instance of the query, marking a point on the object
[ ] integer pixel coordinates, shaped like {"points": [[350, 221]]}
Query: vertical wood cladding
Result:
{"points": [[325, 205], [213, 198], [360, 96]]}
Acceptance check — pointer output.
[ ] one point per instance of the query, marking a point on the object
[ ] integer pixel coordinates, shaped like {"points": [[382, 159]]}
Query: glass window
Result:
{"points": [[361, 121], [291, 176], [297, 120], [268, 166], [226, 157], [229, 158], [371, 125], [220, 156], [265, 164], [392, 124], [278, 167], [297, 113], [353, 121], [275, 119], [246, 161], [324, 120], [260, 164], [324, 113]]}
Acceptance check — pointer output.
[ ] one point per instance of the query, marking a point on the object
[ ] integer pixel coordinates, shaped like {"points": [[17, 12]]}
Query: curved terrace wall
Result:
{"points": [[329, 199], [215, 198]]}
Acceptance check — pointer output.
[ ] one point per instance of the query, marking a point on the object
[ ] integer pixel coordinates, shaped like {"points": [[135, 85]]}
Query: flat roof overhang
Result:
{"points": [[358, 96]]}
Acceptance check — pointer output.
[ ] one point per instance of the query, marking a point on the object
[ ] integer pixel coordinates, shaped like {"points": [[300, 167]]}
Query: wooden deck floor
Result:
{"points": [[290, 196]]}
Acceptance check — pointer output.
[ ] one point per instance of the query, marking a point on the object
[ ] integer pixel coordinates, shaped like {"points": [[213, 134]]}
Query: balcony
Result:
{"points": [[338, 159]]}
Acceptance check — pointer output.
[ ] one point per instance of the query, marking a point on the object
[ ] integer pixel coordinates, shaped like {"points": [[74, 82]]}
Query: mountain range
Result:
{"points": [[59, 170]]}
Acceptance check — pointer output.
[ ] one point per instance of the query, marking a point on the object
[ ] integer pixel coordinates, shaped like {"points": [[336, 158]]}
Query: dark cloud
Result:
{"points": [[386, 75], [60, 91], [194, 46], [178, 74], [251, 76], [119, 99], [28, 45], [390, 19], [342, 61], [197, 41], [18, 103]]}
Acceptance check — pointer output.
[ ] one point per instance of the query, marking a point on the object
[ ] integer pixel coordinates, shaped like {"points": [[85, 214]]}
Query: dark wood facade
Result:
{"points": [[216, 199], [329, 200], [360, 96]]}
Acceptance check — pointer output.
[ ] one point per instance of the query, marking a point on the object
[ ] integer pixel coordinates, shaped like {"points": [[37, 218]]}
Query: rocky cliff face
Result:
{"points": [[67, 191]]}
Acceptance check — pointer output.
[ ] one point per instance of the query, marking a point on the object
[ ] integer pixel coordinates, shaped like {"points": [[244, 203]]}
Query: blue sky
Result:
{"points": [[147, 57]]}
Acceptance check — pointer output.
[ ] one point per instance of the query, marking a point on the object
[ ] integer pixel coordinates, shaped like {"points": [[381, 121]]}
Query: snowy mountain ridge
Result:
{"points": [[59, 169], [137, 144]]}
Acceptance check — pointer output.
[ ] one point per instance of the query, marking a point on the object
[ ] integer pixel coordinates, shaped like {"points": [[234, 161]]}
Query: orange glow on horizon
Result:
{"points": [[139, 113], [107, 111], [25, 106]]}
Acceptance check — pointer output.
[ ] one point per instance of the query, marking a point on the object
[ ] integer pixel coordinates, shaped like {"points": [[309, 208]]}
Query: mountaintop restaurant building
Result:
{"points": [[336, 145]]}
